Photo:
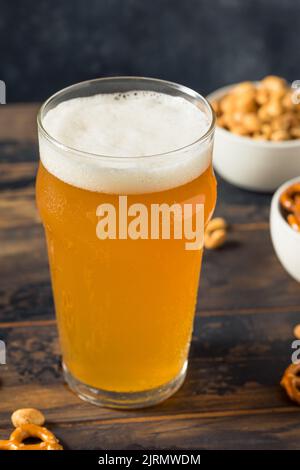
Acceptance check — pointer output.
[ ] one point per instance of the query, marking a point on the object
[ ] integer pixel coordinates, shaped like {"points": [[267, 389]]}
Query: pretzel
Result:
{"points": [[290, 202], [291, 382], [290, 198], [15, 442], [294, 221]]}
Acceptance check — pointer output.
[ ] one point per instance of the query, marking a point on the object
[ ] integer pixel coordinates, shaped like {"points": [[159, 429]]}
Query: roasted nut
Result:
{"points": [[279, 135], [27, 416], [244, 87], [273, 83], [266, 130], [252, 122], [238, 117], [278, 94], [216, 223], [229, 121], [286, 101], [295, 132], [215, 239], [215, 106], [274, 108], [215, 233], [297, 331], [263, 113], [262, 96], [245, 103], [282, 122], [239, 129], [221, 121], [227, 104]]}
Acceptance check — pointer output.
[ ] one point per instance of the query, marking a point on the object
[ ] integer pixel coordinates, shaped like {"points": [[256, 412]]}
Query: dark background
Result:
{"points": [[46, 45]]}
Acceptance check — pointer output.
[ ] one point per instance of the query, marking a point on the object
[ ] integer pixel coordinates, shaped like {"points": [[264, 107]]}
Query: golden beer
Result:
{"points": [[124, 307]]}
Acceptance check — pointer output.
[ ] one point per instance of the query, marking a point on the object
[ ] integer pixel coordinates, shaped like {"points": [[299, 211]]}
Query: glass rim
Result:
{"points": [[82, 153]]}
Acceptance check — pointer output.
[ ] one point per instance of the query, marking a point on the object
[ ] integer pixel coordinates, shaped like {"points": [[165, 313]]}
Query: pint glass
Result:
{"points": [[124, 305]]}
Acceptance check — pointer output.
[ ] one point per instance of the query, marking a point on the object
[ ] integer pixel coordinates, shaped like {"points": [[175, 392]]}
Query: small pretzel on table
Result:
{"points": [[15, 442], [291, 382]]}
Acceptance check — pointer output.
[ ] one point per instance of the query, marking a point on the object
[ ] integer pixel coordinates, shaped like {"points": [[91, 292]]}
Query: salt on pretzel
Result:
{"points": [[20, 434], [291, 382]]}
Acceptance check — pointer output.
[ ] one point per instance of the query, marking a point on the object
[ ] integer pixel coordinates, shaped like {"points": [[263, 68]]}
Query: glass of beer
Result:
{"points": [[125, 188]]}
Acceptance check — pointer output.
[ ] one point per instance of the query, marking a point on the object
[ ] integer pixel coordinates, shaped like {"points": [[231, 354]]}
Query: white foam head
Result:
{"points": [[140, 131]]}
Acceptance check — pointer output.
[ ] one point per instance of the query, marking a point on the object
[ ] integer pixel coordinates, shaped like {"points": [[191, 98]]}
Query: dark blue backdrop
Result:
{"points": [[46, 45]]}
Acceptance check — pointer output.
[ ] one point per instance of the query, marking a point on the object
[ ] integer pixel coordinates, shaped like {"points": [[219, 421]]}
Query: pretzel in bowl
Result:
{"points": [[16, 441], [290, 204], [291, 382]]}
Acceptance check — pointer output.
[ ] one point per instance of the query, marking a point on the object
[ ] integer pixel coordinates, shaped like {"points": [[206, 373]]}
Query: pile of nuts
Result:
{"points": [[264, 111]]}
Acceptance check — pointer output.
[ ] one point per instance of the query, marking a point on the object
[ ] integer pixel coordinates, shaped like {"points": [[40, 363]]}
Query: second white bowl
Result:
{"points": [[286, 240]]}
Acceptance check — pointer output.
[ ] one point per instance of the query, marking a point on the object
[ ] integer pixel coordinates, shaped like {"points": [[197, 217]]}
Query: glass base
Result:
{"points": [[125, 400]]}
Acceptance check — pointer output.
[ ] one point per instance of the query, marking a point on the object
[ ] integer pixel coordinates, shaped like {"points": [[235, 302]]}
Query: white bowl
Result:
{"points": [[286, 241], [252, 164]]}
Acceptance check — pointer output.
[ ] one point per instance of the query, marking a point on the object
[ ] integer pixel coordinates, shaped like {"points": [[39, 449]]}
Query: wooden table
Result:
{"points": [[246, 312]]}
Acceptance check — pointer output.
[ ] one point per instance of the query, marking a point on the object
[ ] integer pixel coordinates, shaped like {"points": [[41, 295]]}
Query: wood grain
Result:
{"points": [[18, 122], [247, 308]]}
